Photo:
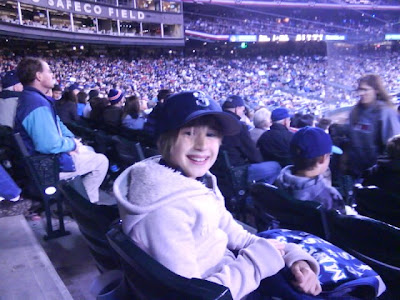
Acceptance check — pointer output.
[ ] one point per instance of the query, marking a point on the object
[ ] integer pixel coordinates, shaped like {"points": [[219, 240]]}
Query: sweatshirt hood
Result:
{"points": [[302, 188], [147, 186]]}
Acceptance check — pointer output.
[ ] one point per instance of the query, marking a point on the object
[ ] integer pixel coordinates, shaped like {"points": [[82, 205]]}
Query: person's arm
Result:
{"points": [[40, 126], [172, 243], [390, 125], [64, 130]]}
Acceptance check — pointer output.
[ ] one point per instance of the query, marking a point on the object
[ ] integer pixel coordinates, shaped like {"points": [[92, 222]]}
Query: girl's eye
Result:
{"points": [[212, 134], [187, 132]]}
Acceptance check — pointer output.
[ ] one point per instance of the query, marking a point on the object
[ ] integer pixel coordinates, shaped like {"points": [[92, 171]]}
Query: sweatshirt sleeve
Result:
{"points": [[43, 131], [172, 243], [64, 130], [390, 125]]}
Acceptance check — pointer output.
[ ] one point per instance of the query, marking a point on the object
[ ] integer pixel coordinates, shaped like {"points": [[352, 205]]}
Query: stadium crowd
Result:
{"points": [[300, 83]]}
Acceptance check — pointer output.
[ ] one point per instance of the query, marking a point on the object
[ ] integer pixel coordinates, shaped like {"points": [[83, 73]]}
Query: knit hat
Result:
{"points": [[233, 101], [115, 96], [311, 142], [73, 87], [279, 113], [9, 79], [179, 109]]}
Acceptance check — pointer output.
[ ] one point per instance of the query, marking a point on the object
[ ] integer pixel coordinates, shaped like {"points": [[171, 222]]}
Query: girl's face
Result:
{"points": [[367, 93], [195, 150]]}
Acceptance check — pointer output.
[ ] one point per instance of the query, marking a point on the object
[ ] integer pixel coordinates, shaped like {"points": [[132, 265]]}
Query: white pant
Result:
{"points": [[93, 166]]}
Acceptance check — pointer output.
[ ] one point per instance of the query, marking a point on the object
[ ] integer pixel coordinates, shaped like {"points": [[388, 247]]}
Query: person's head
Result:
{"points": [[305, 120], [324, 124], [190, 127], [132, 107], [144, 100], [82, 97], [262, 118], [68, 96], [234, 104], [11, 82], [116, 97], [163, 94], [57, 92], [94, 93], [393, 147], [281, 115], [370, 89], [74, 88], [35, 72], [310, 149]]}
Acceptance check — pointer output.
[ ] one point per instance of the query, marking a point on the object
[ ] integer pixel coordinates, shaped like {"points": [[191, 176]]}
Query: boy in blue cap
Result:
{"points": [[310, 149]]}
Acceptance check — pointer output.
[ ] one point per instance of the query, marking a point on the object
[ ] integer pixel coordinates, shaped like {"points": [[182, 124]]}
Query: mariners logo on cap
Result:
{"points": [[201, 99]]}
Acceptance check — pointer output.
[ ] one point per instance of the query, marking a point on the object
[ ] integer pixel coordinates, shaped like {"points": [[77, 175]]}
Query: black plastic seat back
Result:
{"points": [[233, 183], [128, 152], [93, 220], [275, 208], [372, 241], [377, 204], [150, 280], [43, 171]]}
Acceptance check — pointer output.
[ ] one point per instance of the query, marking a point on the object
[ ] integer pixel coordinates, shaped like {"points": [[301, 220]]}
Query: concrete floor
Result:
{"points": [[70, 257]]}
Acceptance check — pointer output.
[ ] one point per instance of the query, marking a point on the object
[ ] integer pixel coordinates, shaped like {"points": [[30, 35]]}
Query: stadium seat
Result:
{"points": [[43, 170], [373, 242], [274, 208], [150, 280], [93, 220], [378, 204], [128, 152], [233, 184]]}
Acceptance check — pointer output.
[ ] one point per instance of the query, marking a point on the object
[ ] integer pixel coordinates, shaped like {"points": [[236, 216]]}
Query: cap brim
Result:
{"points": [[230, 125], [337, 150]]}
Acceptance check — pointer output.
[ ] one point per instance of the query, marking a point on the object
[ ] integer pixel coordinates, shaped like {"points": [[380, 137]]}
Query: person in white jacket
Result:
{"points": [[172, 208]]}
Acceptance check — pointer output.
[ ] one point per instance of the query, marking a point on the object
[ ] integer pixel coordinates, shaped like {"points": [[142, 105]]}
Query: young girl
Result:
{"points": [[172, 208]]}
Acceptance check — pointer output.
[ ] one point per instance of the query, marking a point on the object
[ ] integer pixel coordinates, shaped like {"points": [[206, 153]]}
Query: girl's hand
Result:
{"points": [[306, 280]]}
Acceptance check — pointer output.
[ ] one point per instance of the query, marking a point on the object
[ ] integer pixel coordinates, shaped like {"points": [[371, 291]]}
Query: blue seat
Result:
{"points": [[150, 280]]}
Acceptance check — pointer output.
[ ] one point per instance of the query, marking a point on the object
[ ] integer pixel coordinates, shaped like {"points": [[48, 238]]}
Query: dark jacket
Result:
{"points": [[274, 144], [370, 128], [385, 175], [112, 115], [67, 111], [240, 147]]}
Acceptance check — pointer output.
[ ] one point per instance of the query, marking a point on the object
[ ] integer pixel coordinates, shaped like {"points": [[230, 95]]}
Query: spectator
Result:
{"points": [[43, 132], [57, 92], [96, 114], [242, 150], [324, 124], [133, 116], [310, 148], [305, 120], [372, 122], [112, 114], [262, 123], [88, 106], [11, 89], [274, 144], [66, 107], [163, 94], [74, 88], [174, 210], [386, 173], [82, 99]]}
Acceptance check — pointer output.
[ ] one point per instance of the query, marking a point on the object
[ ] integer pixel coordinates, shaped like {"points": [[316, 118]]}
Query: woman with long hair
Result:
{"points": [[66, 107], [373, 121], [133, 116]]}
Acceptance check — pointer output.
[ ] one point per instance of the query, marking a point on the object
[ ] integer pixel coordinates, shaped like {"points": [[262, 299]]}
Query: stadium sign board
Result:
{"points": [[111, 12]]}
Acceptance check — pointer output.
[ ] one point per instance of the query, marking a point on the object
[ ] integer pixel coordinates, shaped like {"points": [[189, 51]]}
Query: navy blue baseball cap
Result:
{"points": [[179, 109], [311, 142], [10, 78], [233, 101]]}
